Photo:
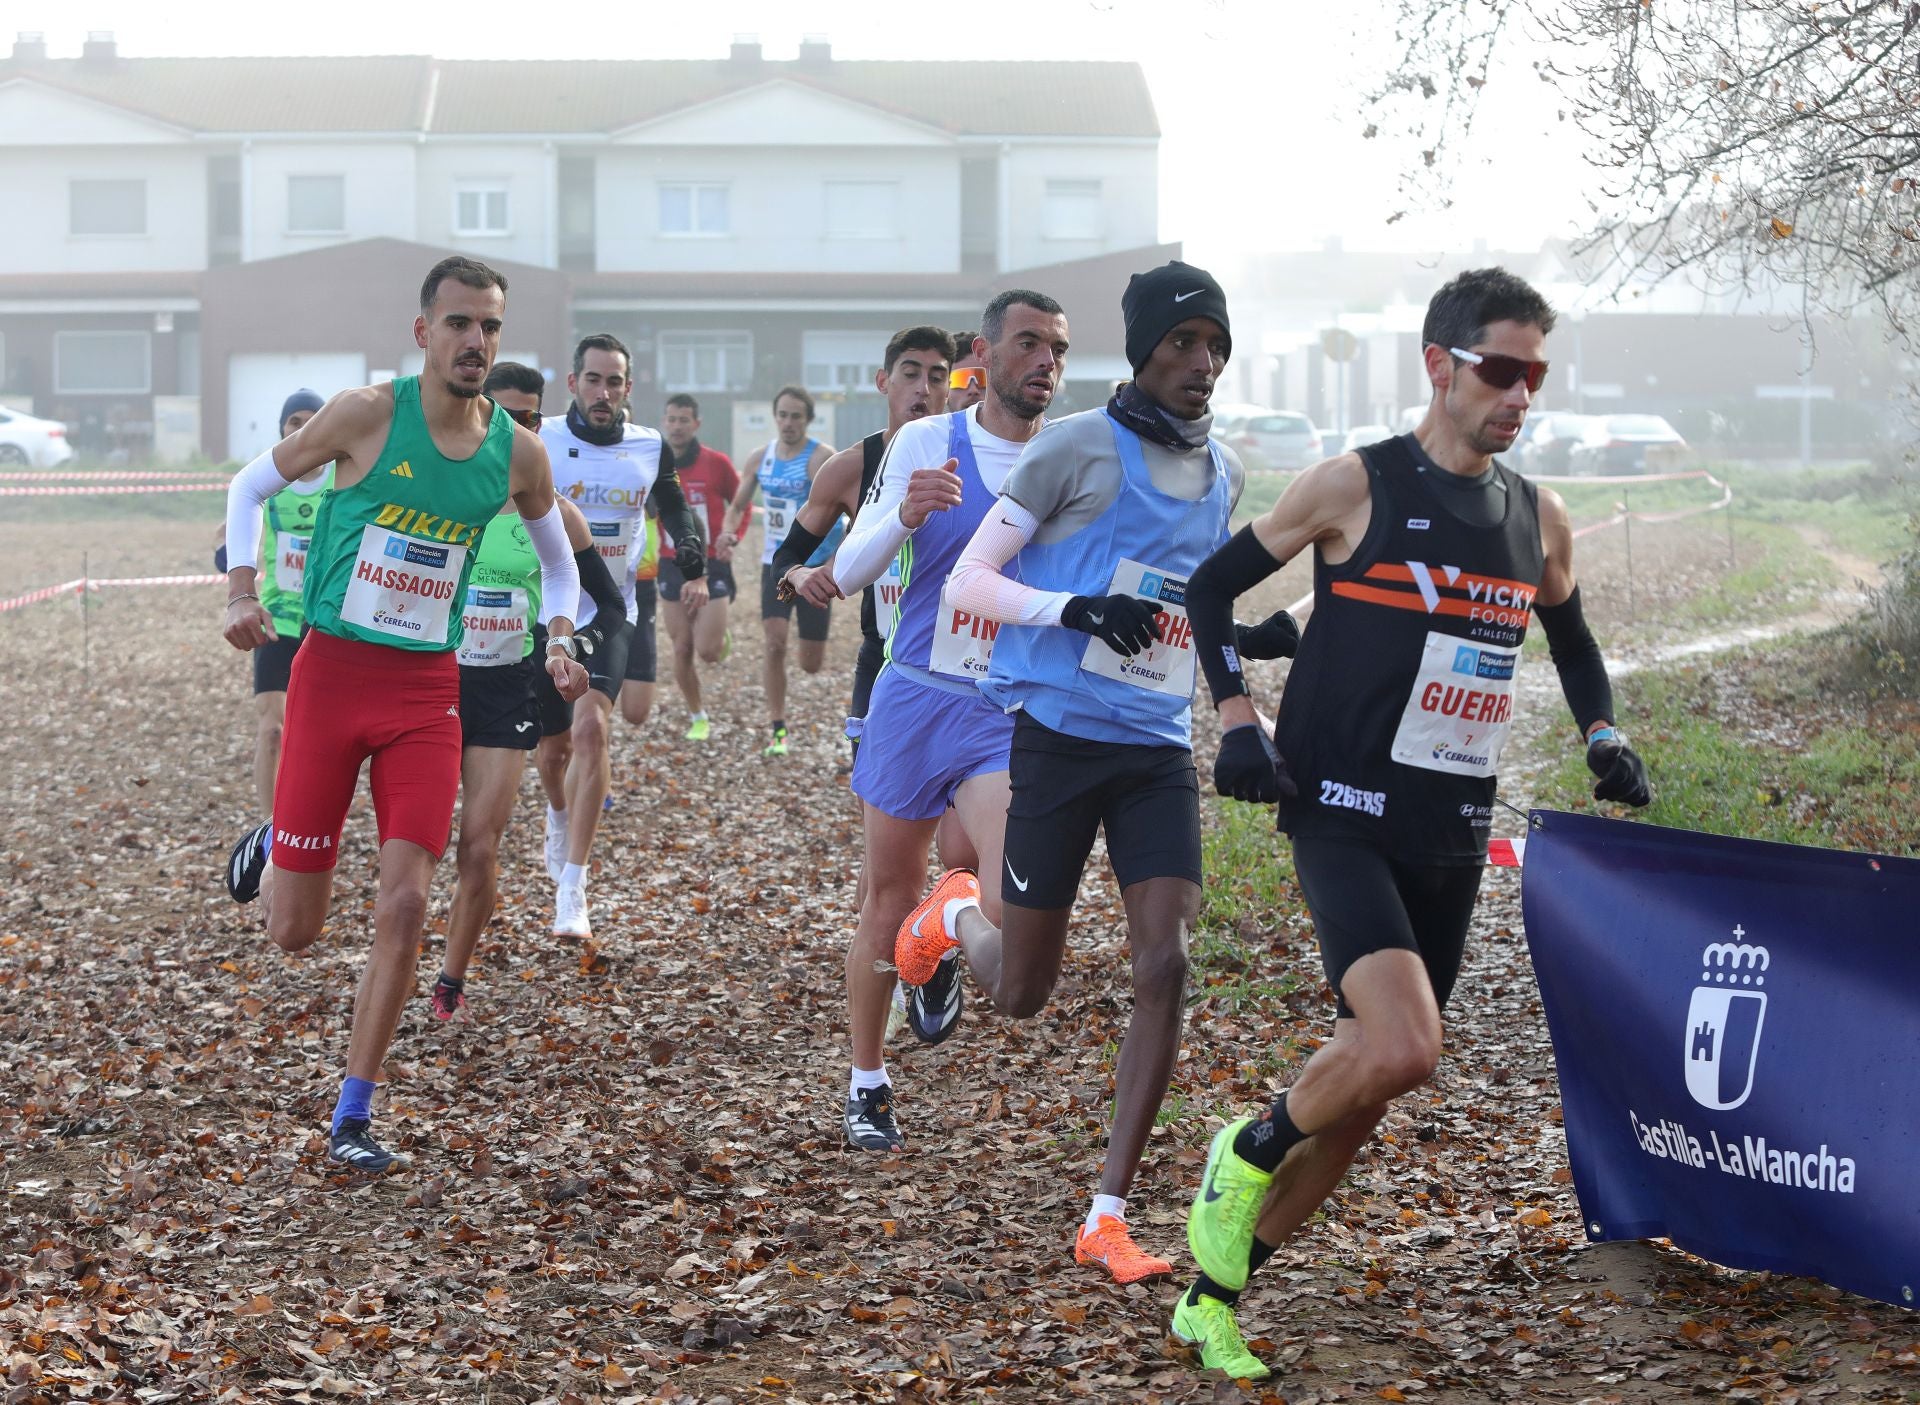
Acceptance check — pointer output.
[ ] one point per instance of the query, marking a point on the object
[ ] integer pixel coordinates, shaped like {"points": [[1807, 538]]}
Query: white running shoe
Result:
{"points": [[556, 849], [570, 911]]}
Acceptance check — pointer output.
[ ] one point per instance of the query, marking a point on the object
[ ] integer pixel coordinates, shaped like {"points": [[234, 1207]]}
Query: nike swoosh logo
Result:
{"points": [[1096, 619], [1182, 297], [1208, 1191], [1018, 881]]}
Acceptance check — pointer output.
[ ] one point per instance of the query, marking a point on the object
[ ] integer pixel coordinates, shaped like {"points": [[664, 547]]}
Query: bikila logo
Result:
{"points": [[1723, 1023]]}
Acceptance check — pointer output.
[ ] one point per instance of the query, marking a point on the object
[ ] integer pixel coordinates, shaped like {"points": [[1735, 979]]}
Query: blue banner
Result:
{"points": [[1737, 1029]]}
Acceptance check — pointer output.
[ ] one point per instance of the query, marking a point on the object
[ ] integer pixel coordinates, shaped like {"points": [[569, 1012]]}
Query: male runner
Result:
{"points": [[283, 561], [1103, 519], [913, 378], [709, 480], [1427, 557], [608, 467], [421, 464], [967, 381], [500, 704], [785, 469], [931, 741]]}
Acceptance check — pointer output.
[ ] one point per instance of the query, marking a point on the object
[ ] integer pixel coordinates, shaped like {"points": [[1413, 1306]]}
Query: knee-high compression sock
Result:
{"points": [[1205, 1287], [356, 1100], [1265, 1141]]}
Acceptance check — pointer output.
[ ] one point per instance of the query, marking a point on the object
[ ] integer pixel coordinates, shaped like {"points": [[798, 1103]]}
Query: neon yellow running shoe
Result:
{"points": [[699, 729], [1220, 1225], [778, 746], [1210, 1327]]}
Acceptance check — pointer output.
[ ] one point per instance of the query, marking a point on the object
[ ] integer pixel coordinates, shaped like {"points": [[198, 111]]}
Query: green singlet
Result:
{"points": [[503, 598], [289, 515], [392, 555]]}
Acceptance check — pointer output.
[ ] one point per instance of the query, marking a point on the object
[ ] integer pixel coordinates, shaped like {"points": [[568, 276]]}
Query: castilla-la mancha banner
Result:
{"points": [[1737, 1029]]}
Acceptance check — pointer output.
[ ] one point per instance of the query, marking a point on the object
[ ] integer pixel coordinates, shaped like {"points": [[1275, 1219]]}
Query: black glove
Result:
{"points": [[220, 558], [1623, 775], [1248, 768], [1123, 622], [1275, 637]]}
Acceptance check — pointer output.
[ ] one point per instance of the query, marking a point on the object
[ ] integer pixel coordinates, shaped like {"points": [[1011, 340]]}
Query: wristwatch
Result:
{"points": [[566, 643], [1605, 734]]}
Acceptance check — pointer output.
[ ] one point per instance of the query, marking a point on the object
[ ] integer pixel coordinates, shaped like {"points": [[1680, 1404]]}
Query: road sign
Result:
{"points": [[1338, 344]]}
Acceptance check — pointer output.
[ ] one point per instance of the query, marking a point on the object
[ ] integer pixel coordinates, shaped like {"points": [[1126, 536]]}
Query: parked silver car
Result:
{"points": [[1279, 439], [1547, 441], [1627, 444]]}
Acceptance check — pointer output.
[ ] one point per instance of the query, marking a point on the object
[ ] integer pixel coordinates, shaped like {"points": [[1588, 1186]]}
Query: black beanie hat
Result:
{"points": [[301, 399], [1161, 299]]}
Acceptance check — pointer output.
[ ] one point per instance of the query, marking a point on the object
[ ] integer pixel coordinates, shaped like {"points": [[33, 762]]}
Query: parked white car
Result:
{"points": [[1357, 438], [31, 442]]}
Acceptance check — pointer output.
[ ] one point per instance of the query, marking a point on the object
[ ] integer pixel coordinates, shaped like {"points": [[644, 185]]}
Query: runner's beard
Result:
{"points": [[1017, 404], [463, 392]]}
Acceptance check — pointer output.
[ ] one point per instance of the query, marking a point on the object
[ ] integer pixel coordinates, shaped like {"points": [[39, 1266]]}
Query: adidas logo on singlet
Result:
{"points": [[403, 469]]}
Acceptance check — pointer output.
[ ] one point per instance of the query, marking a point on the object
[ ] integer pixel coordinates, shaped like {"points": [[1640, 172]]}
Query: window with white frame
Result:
{"points": [[695, 210], [841, 360], [102, 363], [703, 360], [1072, 210], [480, 208], [316, 204], [863, 209], [107, 207]]}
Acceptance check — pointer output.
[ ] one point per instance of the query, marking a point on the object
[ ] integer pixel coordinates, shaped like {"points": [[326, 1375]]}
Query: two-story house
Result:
{"points": [[189, 238]]}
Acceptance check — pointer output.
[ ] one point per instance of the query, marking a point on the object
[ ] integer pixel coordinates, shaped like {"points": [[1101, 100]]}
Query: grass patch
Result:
{"points": [[1756, 745], [1263, 490], [1249, 883]]}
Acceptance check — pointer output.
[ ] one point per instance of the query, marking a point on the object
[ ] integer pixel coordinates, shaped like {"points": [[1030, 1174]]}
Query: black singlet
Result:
{"points": [[1401, 696], [872, 449]]}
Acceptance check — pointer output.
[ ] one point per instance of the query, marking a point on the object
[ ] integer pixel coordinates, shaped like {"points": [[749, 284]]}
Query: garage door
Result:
{"points": [[258, 384]]}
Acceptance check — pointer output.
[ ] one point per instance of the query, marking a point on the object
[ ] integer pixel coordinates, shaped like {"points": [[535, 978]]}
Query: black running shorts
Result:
{"points": [[607, 665], [497, 707], [719, 579], [555, 712], [814, 619], [273, 663], [643, 648], [873, 653], [1065, 789], [1363, 901]]}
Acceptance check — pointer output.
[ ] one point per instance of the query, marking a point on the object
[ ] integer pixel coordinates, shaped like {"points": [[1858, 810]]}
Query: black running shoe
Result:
{"points": [[934, 1009], [353, 1146], [246, 863], [869, 1121]]}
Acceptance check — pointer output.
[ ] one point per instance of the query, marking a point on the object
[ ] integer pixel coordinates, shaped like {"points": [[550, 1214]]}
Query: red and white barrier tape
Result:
{"points": [[106, 488], [90, 476], [74, 587], [1506, 853]]}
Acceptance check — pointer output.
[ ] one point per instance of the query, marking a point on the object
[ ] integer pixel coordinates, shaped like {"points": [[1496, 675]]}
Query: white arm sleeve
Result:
{"points": [[977, 583], [877, 533], [559, 577], [247, 494]]}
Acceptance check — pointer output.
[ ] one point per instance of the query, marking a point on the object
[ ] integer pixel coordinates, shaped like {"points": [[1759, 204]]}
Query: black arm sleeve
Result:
{"points": [[794, 551], [1223, 577], [677, 519], [1583, 673]]}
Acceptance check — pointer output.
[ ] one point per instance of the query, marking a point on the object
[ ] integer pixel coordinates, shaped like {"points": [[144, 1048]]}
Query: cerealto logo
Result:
{"points": [[1724, 1021]]}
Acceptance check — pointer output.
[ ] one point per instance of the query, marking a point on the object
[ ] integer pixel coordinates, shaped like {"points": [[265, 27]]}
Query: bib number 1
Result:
{"points": [[1166, 666]]}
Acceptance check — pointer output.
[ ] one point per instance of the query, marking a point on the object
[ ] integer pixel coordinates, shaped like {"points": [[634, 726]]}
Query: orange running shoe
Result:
{"points": [[1110, 1244], [923, 938]]}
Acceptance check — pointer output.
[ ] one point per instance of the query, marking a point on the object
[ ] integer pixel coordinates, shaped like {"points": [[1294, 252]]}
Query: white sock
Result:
{"points": [[865, 1078], [1106, 1205], [950, 914], [574, 875], [556, 819], [700, 716]]}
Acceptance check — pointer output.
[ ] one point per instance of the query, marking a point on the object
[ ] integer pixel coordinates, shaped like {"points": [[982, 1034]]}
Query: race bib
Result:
{"points": [[1167, 664], [291, 569], [496, 627], [886, 597], [1461, 710], [962, 643], [403, 586], [613, 539], [780, 515]]}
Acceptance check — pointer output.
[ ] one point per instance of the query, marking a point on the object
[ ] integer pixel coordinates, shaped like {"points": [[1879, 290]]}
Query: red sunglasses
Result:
{"points": [[1501, 372]]}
